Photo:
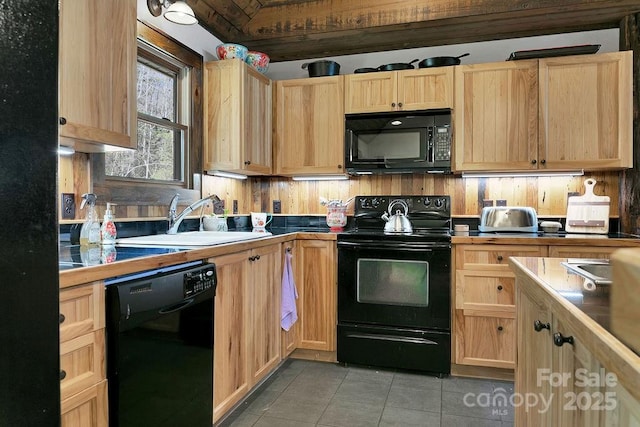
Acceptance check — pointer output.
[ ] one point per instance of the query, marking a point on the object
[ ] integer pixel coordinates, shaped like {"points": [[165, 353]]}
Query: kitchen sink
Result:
{"points": [[191, 238], [596, 270]]}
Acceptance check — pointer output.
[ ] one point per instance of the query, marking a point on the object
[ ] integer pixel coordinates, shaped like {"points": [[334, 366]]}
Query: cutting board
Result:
{"points": [[589, 213]]}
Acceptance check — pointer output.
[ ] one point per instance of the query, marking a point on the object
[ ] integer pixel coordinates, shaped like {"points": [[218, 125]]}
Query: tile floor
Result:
{"points": [[305, 393]]}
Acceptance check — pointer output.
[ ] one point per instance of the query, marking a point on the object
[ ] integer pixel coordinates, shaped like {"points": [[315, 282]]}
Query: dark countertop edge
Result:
{"points": [[83, 275], [601, 342]]}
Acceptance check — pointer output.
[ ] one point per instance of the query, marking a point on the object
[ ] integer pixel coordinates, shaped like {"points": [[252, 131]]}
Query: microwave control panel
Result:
{"points": [[441, 142]]}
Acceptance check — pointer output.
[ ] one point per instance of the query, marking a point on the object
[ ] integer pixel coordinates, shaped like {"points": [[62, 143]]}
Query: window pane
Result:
{"points": [[158, 148], [156, 92]]}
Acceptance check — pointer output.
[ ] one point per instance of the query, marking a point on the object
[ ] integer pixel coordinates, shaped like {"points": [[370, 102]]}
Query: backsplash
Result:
{"points": [[547, 195]]}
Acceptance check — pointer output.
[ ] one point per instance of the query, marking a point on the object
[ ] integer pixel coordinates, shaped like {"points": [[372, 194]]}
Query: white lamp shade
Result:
{"points": [[180, 13]]}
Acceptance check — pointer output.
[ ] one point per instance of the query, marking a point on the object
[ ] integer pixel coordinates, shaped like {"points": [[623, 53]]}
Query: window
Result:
{"points": [[163, 111]]}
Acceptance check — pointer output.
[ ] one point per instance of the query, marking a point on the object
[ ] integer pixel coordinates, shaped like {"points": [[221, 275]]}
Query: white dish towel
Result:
{"points": [[289, 313]]}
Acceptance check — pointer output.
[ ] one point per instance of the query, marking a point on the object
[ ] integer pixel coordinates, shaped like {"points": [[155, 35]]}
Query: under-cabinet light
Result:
{"points": [[227, 175], [320, 178], [540, 174], [65, 151]]}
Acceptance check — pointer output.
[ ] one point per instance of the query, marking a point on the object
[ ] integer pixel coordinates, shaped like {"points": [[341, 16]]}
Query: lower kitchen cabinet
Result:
{"points": [[83, 382], [247, 323], [315, 274], [87, 408], [289, 339], [554, 369], [484, 314]]}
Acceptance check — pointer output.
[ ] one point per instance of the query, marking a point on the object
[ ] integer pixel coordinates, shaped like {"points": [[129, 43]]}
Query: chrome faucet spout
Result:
{"points": [[176, 220]]}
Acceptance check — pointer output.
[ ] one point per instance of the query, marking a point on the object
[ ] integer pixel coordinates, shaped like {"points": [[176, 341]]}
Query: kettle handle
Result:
{"points": [[400, 202]]}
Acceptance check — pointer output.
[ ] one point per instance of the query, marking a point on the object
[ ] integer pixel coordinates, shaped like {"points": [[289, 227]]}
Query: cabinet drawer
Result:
{"points": [[485, 341], [81, 363], [493, 257], [81, 310], [86, 409], [484, 288], [581, 252]]}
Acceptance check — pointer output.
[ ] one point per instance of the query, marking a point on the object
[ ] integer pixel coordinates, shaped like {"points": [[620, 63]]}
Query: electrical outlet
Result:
{"points": [[218, 207], [235, 207], [486, 203], [501, 202], [68, 206], [277, 206]]}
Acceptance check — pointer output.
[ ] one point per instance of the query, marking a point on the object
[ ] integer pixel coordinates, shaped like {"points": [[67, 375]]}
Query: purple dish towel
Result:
{"points": [[289, 314]]}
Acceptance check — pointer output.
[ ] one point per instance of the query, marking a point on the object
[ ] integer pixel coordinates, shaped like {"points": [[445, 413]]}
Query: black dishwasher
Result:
{"points": [[160, 347]]}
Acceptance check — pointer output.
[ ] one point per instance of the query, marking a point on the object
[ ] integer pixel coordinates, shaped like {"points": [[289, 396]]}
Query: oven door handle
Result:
{"points": [[393, 338], [405, 246]]}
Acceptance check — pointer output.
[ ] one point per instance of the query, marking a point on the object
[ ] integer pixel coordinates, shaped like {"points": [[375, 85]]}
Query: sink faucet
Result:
{"points": [[175, 220]]}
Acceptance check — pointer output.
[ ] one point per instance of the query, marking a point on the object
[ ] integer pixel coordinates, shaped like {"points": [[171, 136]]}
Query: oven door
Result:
{"points": [[394, 283]]}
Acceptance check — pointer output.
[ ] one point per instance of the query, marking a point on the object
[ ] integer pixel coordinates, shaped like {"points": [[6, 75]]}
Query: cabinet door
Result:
{"points": [[594, 252], [310, 126], [97, 65], [586, 111], [289, 339], [231, 330], [81, 363], [370, 92], [87, 408], [257, 123], [533, 354], [316, 280], [486, 340], [425, 88], [263, 309], [496, 116]]}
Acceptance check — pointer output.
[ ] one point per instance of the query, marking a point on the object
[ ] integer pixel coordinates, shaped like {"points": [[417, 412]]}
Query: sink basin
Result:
{"points": [[191, 238], [596, 270]]}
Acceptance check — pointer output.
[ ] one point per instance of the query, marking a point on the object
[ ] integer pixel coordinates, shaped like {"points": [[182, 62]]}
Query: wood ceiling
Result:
{"points": [[301, 29]]}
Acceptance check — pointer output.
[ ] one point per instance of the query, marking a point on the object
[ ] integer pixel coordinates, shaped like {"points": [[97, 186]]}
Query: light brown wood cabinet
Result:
{"points": [[310, 126], [484, 314], [549, 114], [406, 90], [97, 67], [593, 252], [82, 356], [247, 323], [316, 276], [573, 401], [237, 115]]}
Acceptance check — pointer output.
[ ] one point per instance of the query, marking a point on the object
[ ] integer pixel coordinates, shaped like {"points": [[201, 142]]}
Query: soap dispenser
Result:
{"points": [[90, 231], [108, 228]]}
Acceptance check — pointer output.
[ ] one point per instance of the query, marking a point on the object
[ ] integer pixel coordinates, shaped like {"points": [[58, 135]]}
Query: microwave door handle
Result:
{"points": [[431, 151]]}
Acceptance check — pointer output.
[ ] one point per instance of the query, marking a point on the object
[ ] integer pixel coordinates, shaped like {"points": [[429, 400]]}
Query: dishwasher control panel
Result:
{"points": [[199, 280]]}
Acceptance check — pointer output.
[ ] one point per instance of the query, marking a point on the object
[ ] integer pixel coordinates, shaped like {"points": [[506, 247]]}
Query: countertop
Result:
{"points": [[127, 261], [586, 311]]}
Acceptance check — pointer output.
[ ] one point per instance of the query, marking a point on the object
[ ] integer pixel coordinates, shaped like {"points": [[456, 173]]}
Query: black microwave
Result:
{"points": [[398, 142]]}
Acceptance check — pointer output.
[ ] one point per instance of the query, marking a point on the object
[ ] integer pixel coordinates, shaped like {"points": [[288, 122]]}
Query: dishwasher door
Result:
{"points": [[160, 348]]}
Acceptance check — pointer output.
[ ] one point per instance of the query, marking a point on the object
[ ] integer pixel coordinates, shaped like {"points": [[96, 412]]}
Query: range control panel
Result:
{"points": [[416, 204], [202, 279]]}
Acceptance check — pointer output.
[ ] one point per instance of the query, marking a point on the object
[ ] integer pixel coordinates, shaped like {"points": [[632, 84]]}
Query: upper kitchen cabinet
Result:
{"points": [[237, 115], [586, 112], [408, 90], [496, 116], [562, 113], [97, 74], [310, 126]]}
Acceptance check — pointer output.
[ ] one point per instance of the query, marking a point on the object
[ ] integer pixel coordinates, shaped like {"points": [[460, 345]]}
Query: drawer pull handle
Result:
{"points": [[393, 104], [499, 287], [559, 339], [500, 328], [63, 374], [538, 326], [61, 319], [499, 257]]}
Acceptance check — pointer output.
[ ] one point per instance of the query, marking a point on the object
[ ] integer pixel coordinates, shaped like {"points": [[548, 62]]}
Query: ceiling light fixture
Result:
{"points": [[320, 178], [177, 12], [540, 174], [227, 174]]}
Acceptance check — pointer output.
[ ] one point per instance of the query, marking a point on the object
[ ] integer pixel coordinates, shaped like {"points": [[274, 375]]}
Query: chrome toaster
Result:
{"points": [[508, 218]]}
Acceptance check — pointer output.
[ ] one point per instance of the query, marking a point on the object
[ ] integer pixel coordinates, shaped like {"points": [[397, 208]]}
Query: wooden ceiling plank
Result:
{"points": [[214, 22], [334, 15], [249, 7], [228, 9]]}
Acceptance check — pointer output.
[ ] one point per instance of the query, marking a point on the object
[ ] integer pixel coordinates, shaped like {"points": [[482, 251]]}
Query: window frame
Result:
{"points": [[126, 191]]}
